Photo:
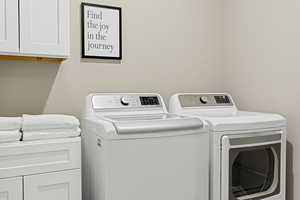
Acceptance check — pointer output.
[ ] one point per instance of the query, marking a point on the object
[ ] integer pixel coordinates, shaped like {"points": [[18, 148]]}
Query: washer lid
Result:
{"points": [[141, 124], [241, 120]]}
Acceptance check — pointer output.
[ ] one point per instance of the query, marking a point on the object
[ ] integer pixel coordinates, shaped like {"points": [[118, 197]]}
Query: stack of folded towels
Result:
{"points": [[10, 129], [38, 127]]}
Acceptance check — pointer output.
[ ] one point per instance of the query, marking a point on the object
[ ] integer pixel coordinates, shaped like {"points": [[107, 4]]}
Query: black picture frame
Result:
{"points": [[119, 9]]}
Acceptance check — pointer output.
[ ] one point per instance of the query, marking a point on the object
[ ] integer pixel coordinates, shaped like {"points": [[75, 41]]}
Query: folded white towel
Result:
{"points": [[44, 122], [50, 134], [10, 136], [10, 123]]}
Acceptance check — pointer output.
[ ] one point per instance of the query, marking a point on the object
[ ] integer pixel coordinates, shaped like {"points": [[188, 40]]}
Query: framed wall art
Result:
{"points": [[101, 31]]}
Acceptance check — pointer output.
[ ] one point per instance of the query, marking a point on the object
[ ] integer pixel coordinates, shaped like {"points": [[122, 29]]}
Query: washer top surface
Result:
{"points": [[154, 123], [221, 113], [142, 117], [137, 116]]}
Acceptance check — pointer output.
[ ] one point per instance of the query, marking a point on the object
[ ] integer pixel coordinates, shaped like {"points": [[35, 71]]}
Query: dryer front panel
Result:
{"points": [[251, 166]]}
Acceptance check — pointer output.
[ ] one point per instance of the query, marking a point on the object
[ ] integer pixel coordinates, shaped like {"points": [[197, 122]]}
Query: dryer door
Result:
{"points": [[251, 166]]}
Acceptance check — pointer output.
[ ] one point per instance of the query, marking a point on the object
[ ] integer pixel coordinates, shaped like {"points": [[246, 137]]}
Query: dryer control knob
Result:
{"points": [[124, 101], [204, 99]]}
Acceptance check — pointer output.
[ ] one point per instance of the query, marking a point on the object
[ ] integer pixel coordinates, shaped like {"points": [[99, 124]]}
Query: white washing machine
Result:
{"points": [[134, 150], [248, 149]]}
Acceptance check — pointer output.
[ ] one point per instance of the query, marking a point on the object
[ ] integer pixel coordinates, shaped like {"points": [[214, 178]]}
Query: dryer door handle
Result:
{"points": [[256, 139]]}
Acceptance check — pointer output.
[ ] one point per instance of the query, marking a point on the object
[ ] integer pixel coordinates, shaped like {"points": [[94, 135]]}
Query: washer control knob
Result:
{"points": [[124, 101], [204, 99]]}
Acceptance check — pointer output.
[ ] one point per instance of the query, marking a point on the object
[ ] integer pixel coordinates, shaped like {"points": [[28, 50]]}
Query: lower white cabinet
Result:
{"points": [[11, 189], [41, 170], [64, 185]]}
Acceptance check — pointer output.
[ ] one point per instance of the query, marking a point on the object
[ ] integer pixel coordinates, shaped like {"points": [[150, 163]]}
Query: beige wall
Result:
{"points": [[262, 65], [169, 46]]}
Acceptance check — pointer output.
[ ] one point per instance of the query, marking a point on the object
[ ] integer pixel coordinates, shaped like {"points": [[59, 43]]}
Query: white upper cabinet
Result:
{"points": [[9, 26], [44, 27], [36, 28]]}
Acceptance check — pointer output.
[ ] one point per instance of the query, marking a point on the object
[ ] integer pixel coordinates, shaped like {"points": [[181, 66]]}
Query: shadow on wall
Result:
{"points": [[106, 61], [289, 172], [25, 86]]}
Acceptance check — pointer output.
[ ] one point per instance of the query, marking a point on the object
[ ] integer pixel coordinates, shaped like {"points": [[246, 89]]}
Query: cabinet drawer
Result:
{"points": [[24, 158], [59, 186], [11, 189]]}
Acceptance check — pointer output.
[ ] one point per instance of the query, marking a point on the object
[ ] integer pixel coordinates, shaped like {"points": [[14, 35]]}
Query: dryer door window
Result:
{"points": [[254, 172]]}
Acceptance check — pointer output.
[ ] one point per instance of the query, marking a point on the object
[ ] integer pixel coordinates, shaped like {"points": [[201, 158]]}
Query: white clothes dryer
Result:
{"points": [[248, 149], [134, 150]]}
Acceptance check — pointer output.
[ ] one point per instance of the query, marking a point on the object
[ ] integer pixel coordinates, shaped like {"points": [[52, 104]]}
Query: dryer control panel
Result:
{"points": [[133, 101], [200, 100]]}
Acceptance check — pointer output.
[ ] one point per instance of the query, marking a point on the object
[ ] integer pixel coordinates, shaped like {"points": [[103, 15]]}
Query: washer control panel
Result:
{"points": [[149, 100], [200, 100], [116, 101]]}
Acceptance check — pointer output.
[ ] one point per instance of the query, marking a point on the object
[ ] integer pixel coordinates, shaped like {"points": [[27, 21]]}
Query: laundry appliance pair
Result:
{"points": [[134, 149]]}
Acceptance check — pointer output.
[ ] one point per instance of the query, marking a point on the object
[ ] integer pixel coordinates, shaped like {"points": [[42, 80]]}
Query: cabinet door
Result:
{"points": [[9, 26], [11, 189], [44, 27], [64, 185]]}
